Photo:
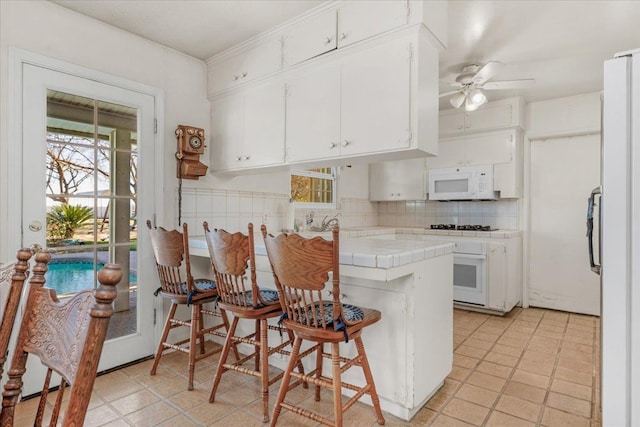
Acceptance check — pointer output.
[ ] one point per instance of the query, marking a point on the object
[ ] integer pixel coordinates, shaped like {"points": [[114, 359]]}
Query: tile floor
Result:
{"points": [[531, 367]]}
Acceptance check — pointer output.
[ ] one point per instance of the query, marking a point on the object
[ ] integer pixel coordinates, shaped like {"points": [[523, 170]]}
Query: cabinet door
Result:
{"points": [[375, 98], [313, 114], [410, 179], [358, 20], [227, 123], [497, 277], [451, 122], [309, 38], [490, 116], [450, 154], [264, 109], [489, 148], [382, 181], [263, 59]]}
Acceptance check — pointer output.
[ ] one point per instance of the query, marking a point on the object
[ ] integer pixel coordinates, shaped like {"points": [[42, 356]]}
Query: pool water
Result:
{"points": [[72, 275]]}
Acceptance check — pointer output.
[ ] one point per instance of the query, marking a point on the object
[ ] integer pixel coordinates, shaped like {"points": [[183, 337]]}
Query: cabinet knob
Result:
{"points": [[327, 40], [236, 77], [343, 36], [244, 74], [346, 142], [468, 126], [246, 158], [459, 126], [238, 158], [332, 145]]}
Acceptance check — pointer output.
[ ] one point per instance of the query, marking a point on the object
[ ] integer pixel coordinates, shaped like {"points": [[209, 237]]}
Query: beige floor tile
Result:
{"points": [[131, 403], [438, 401], [498, 419], [574, 376], [474, 352], [485, 336], [477, 343], [553, 417], [505, 349], [486, 381], [501, 359], [569, 404], [459, 373], [474, 394], [466, 411], [152, 414], [576, 355], [238, 418], [575, 365], [537, 367], [423, 418], [465, 361], [99, 416], [445, 421], [572, 389], [539, 356], [519, 408], [525, 391], [180, 420], [531, 378], [494, 369]]}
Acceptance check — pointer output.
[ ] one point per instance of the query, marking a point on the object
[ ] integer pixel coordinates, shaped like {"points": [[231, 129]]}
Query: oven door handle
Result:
{"points": [[470, 256]]}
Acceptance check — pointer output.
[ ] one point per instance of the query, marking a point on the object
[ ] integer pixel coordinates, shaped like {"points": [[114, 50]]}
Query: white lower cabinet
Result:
{"points": [[248, 128], [504, 261], [398, 180]]}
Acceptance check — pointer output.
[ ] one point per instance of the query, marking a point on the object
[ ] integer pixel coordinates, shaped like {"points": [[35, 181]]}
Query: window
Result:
{"points": [[314, 188]]}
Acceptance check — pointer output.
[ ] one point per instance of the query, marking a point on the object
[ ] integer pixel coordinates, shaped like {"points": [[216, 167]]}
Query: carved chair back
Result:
{"points": [[301, 269], [12, 277], [231, 256], [170, 249], [67, 336]]}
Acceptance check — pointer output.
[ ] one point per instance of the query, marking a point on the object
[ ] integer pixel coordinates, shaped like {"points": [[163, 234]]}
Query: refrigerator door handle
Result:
{"points": [[591, 205]]}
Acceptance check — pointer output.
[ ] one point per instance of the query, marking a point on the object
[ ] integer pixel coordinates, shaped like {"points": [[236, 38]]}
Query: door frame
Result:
{"points": [[17, 59]]}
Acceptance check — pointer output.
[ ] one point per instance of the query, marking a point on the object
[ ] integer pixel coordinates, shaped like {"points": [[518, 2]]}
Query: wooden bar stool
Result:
{"points": [[13, 277], [67, 336], [231, 255], [301, 268], [170, 249]]}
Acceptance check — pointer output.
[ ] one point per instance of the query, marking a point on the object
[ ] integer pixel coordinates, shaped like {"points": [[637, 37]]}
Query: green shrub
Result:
{"points": [[63, 220]]}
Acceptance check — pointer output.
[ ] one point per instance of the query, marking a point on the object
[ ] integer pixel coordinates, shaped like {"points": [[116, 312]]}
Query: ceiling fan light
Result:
{"points": [[477, 97], [457, 99]]}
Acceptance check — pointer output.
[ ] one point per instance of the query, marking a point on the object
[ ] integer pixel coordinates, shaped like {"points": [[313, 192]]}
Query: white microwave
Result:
{"points": [[463, 183]]}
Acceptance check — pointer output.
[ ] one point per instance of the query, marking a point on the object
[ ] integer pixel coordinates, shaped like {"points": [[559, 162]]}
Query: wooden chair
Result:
{"points": [[15, 274], [170, 249], [67, 336], [301, 268], [231, 256]]}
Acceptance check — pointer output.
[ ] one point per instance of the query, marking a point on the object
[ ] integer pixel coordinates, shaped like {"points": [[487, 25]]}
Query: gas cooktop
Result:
{"points": [[462, 227]]}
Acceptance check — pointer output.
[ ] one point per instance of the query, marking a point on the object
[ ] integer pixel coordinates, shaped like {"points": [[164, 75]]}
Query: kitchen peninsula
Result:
{"points": [[410, 281]]}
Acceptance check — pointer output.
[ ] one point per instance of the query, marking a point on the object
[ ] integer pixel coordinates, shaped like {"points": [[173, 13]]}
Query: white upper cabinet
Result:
{"points": [[493, 115], [313, 114], [469, 150], [310, 38], [358, 20], [376, 94], [248, 128], [398, 180], [239, 68]]}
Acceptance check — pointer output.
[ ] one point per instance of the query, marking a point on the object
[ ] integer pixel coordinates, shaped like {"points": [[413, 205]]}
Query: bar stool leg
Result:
{"points": [[193, 343], [369, 378], [225, 320], [319, 351], [223, 359], [264, 369], [201, 336], [285, 381], [337, 383], [256, 348], [305, 384], [163, 338]]}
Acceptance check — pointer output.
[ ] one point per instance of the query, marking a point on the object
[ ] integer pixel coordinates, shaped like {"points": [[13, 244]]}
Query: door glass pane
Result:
{"points": [[91, 198]]}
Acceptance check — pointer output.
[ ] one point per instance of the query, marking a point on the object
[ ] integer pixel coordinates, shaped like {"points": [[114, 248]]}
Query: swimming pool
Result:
{"points": [[70, 275]]}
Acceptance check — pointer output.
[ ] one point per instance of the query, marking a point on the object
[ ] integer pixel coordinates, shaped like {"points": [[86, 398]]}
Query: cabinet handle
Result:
{"points": [[346, 142], [459, 126], [327, 40], [332, 145], [468, 126], [236, 77], [343, 36], [246, 158], [244, 75], [238, 158]]}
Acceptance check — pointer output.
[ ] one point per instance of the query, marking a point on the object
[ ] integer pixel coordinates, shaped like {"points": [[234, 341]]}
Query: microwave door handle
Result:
{"points": [[590, 207]]}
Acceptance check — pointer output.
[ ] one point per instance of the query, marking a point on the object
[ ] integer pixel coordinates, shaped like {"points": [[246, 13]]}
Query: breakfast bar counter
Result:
{"points": [[411, 282]]}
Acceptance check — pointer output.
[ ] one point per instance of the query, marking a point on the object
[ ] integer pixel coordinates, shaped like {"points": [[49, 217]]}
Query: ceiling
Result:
{"points": [[560, 44]]}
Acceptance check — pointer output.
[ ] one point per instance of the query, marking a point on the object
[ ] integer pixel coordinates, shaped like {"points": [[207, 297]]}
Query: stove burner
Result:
{"points": [[462, 227]]}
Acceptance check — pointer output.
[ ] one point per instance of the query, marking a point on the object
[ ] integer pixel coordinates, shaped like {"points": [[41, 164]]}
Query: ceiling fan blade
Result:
{"points": [[489, 70], [509, 84], [448, 93]]}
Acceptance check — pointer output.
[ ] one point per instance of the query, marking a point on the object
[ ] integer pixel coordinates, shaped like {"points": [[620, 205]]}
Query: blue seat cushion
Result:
{"points": [[268, 295], [201, 284], [352, 313]]}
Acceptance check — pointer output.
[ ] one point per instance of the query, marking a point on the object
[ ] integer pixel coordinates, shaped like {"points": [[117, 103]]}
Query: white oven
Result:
{"points": [[470, 272]]}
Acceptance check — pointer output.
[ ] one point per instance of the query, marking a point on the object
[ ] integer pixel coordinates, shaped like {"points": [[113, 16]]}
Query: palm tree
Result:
{"points": [[64, 219]]}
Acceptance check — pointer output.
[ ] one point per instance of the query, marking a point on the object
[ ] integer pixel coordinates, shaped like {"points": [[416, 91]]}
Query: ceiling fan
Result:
{"points": [[474, 79]]}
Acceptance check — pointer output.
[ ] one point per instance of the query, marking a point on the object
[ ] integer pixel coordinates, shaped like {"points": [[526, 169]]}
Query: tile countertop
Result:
{"points": [[398, 231], [362, 251]]}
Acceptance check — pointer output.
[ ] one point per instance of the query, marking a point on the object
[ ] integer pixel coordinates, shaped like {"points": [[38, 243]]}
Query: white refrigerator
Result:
{"points": [[620, 241]]}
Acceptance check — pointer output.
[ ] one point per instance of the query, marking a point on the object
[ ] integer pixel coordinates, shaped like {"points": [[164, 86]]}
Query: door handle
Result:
{"points": [[590, 207]]}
